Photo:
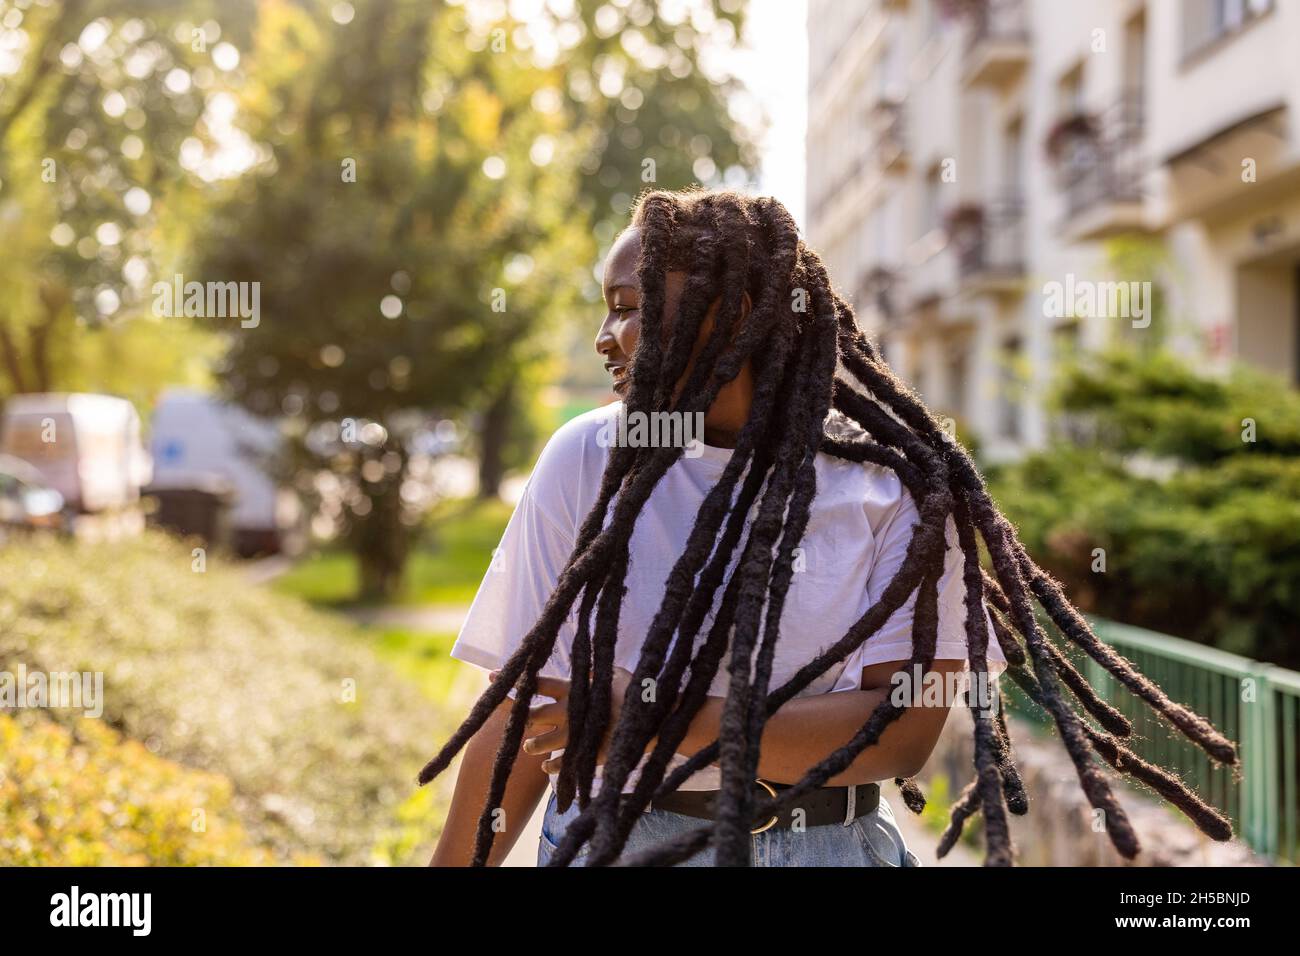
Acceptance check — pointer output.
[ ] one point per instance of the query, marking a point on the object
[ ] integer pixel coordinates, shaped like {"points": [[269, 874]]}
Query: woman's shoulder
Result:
{"points": [[568, 470], [883, 482], [580, 438]]}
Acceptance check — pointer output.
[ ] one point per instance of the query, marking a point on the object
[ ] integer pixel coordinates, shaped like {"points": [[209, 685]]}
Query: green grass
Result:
{"points": [[936, 816], [445, 568], [422, 658]]}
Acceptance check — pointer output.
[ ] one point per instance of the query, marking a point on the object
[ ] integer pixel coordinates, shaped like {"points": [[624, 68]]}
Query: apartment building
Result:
{"points": [[976, 166]]}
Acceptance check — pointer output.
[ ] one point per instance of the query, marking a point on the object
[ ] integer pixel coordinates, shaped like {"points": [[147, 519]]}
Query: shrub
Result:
{"points": [[320, 741], [1198, 526], [84, 796]]}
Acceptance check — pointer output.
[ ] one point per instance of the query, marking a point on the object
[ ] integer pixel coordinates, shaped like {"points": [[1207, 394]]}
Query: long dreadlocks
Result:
{"points": [[812, 366]]}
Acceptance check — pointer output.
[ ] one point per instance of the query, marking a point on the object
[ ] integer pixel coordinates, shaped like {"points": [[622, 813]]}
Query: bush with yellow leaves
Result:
{"points": [[88, 797]]}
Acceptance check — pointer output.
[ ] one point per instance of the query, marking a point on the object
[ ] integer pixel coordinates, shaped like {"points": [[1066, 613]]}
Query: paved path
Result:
{"points": [[922, 841], [267, 569], [434, 618]]}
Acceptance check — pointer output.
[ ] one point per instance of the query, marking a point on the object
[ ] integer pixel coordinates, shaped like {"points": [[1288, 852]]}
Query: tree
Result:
{"points": [[100, 105], [397, 261], [424, 215], [630, 84]]}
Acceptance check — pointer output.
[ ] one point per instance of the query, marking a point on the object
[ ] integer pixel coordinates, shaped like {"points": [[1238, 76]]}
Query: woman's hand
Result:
{"points": [[547, 729]]}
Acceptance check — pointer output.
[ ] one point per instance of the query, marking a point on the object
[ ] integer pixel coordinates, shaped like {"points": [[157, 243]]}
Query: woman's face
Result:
{"points": [[618, 334]]}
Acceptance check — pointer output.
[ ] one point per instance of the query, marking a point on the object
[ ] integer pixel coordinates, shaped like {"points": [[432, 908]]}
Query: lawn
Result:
{"points": [[422, 658], [445, 568]]}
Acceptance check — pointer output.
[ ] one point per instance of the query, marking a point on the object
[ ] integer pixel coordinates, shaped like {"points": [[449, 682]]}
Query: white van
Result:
{"points": [[198, 438], [87, 447]]}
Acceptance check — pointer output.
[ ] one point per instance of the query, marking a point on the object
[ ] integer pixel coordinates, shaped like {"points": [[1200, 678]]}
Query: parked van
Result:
{"points": [[87, 447], [198, 440]]}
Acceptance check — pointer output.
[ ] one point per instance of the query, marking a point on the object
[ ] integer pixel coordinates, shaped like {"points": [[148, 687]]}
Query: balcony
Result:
{"points": [[888, 123], [877, 298], [989, 241], [1208, 179], [997, 44], [1101, 170]]}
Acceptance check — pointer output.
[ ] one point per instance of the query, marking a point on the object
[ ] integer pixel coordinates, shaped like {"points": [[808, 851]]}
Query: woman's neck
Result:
{"points": [[720, 437], [730, 410]]}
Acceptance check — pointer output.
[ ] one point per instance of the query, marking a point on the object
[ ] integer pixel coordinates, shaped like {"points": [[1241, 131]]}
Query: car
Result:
{"points": [[26, 500]]}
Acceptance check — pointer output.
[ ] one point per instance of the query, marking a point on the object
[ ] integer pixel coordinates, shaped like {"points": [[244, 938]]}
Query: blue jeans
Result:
{"points": [[873, 839]]}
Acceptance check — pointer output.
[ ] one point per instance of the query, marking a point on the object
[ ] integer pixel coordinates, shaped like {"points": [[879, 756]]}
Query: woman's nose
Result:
{"points": [[605, 340]]}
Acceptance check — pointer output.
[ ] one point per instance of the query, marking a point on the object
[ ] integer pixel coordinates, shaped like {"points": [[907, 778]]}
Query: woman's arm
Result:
{"points": [[526, 785], [807, 729]]}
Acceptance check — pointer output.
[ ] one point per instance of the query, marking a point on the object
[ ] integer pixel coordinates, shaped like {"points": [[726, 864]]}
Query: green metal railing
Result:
{"points": [[1255, 704]]}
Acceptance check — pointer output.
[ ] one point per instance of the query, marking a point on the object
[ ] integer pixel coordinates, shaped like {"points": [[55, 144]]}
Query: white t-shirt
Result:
{"points": [[857, 535]]}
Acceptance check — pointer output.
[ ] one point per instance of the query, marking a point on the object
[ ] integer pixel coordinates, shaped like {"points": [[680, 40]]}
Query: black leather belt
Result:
{"points": [[822, 806]]}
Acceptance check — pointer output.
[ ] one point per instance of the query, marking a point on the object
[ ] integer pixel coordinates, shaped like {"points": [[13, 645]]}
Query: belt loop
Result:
{"points": [[850, 814]]}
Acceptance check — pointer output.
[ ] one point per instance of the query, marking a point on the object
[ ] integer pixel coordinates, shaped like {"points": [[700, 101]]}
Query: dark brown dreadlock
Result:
{"points": [[812, 365]]}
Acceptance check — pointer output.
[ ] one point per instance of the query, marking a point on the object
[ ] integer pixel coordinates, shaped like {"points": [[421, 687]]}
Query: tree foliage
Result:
{"points": [[1189, 484], [101, 104], [427, 213]]}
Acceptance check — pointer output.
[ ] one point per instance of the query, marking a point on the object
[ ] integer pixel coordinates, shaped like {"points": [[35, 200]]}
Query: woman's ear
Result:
{"points": [[746, 306]]}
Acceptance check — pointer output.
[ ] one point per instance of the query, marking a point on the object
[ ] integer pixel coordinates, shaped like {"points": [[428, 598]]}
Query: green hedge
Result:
{"points": [[210, 672], [1200, 528]]}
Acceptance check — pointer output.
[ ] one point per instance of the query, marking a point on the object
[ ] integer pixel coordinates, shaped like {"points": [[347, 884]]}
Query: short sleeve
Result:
{"points": [[893, 642], [524, 570]]}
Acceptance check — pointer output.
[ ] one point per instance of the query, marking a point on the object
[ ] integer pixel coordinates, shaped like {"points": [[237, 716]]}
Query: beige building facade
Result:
{"points": [[996, 183]]}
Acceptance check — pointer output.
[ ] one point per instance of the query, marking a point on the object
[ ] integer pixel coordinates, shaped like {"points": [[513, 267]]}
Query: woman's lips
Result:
{"points": [[618, 372]]}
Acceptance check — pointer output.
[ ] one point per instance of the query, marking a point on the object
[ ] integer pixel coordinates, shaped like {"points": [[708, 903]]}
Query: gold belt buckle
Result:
{"points": [[771, 792]]}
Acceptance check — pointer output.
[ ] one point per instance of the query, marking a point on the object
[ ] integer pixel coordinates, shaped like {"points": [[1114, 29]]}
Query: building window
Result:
{"points": [[931, 219], [1069, 91], [1013, 158], [1135, 58], [957, 381], [933, 18], [1206, 22], [1010, 386]]}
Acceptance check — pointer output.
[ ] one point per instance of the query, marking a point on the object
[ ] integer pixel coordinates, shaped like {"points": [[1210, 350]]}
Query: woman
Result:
{"points": [[802, 577]]}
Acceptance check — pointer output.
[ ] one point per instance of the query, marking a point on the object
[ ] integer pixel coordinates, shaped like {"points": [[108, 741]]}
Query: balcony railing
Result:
{"points": [[997, 42], [878, 292], [1107, 167], [990, 240], [889, 121], [1263, 800]]}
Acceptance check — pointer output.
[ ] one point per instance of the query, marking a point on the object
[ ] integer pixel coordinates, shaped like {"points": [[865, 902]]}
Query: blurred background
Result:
{"points": [[293, 291]]}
